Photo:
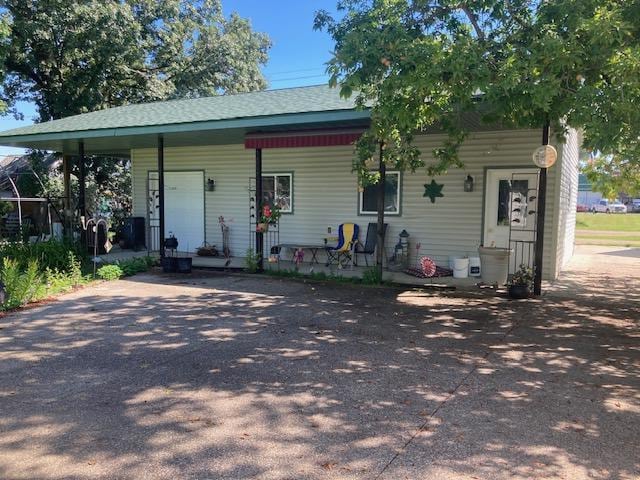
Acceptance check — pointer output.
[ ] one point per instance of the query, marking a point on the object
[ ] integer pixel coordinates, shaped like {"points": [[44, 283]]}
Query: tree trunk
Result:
{"points": [[382, 169]]}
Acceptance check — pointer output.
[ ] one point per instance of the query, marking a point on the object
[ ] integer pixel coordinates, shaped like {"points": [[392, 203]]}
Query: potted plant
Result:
{"points": [[521, 283], [270, 216]]}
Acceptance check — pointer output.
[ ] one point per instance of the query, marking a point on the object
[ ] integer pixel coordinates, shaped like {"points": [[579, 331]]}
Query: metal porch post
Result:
{"points": [[82, 188], [66, 174], [382, 170], [259, 235], [161, 193], [542, 205]]}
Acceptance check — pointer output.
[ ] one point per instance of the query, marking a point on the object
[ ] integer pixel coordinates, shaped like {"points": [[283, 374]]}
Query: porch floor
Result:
{"points": [[238, 263]]}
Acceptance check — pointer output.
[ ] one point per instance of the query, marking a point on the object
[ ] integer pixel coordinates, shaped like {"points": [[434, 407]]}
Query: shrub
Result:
{"points": [[5, 207], [52, 254], [371, 276], [21, 286], [135, 265], [73, 271], [110, 272], [59, 282], [251, 259]]}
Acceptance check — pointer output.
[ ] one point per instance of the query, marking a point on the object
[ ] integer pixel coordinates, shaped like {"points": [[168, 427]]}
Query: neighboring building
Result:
{"points": [[14, 166], [34, 211], [301, 140], [586, 195]]}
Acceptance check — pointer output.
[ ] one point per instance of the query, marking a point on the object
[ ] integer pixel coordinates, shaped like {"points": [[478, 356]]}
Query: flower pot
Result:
{"points": [[519, 291], [183, 264], [169, 264], [262, 227], [494, 264]]}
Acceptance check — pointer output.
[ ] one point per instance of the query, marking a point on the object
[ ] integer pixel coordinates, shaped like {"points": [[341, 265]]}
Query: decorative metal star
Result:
{"points": [[433, 190]]}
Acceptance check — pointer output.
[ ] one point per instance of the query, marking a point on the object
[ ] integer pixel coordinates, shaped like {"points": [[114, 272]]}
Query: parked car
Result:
{"points": [[582, 208], [605, 206], [635, 205]]}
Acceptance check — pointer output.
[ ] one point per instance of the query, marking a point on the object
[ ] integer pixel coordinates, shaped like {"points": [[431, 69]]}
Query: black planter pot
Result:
{"points": [[183, 264], [169, 264], [519, 292]]}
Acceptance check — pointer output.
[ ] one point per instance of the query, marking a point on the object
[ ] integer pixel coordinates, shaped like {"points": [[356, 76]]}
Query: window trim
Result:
{"points": [[363, 213], [283, 174]]}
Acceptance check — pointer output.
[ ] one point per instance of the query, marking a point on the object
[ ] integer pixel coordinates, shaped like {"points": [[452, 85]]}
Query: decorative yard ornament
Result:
{"points": [[545, 156], [433, 190], [428, 266], [95, 224], [298, 257]]}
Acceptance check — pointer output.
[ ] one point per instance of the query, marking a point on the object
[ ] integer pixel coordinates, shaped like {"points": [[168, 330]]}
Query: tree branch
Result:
{"points": [[24, 70], [515, 16], [473, 19]]}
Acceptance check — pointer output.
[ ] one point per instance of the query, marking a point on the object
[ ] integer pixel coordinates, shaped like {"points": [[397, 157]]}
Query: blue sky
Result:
{"points": [[297, 56]]}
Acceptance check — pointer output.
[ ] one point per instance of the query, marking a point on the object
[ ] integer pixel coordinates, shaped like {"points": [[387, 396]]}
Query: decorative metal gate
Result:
{"points": [[271, 237], [153, 211], [523, 206]]}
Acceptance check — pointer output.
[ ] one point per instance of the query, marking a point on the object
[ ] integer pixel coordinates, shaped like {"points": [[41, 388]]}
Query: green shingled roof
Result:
{"points": [[266, 103]]}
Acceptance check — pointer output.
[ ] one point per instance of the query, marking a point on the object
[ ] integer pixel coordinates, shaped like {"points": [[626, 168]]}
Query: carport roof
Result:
{"points": [[116, 130]]}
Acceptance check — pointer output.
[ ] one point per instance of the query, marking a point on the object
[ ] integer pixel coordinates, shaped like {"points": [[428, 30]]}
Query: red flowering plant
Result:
{"points": [[270, 214]]}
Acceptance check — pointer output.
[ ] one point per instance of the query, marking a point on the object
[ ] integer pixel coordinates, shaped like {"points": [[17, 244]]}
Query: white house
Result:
{"points": [[301, 141]]}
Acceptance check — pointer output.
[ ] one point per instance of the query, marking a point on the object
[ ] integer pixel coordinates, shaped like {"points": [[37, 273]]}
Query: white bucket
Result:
{"points": [[452, 259], [461, 267], [474, 266]]}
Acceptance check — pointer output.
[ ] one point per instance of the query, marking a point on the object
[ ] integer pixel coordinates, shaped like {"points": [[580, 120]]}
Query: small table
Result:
{"points": [[302, 246]]}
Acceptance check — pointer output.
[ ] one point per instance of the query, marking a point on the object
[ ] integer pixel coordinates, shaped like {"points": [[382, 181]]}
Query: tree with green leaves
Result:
{"points": [[74, 56], [424, 65], [611, 176]]}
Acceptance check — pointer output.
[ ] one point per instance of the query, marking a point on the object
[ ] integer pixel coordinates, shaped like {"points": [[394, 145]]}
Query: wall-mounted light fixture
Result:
{"points": [[211, 184], [468, 184]]}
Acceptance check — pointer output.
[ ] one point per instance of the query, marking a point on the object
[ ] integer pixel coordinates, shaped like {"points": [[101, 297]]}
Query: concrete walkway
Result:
{"points": [[235, 377]]}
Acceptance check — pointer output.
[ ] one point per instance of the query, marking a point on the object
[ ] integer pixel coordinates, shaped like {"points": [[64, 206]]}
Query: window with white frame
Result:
{"points": [[277, 189], [368, 204]]}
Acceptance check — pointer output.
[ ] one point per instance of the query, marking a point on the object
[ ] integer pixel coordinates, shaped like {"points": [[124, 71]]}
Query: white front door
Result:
{"points": [[510, 211], [183, 207]]}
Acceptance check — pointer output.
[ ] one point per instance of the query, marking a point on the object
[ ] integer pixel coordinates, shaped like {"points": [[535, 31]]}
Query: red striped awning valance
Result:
{"points": [[297, 140]]}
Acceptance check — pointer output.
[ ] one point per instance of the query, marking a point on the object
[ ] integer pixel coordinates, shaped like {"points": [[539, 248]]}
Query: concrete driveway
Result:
{"points": [[220, 376]]}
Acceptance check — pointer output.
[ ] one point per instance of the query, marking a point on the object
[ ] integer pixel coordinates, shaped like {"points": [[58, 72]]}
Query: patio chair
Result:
{"points": [[370, 243], [343, 253]]}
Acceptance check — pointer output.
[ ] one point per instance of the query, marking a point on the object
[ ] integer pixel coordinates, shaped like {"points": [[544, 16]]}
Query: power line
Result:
{"points": [[297, 78], [300, 70]]}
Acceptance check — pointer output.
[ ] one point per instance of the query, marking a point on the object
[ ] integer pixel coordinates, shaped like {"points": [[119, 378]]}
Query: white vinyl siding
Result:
{"points": [[229, 165], [326, 192], [567, 198]]}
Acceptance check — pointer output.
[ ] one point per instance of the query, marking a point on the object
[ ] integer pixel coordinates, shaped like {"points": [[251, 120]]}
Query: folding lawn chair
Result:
{"points": [[343, 253], [370, 243]]}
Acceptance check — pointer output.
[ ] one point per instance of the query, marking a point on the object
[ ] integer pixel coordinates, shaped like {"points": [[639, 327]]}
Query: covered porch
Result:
{"points": [[195, 166], [316, 271]]}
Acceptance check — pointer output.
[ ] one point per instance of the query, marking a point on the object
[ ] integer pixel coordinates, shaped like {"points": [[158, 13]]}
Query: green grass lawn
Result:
{"points": [[628, 222], [608, 229]]}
